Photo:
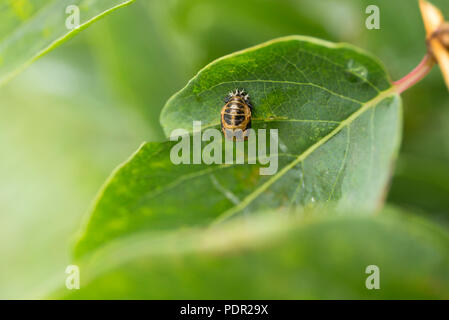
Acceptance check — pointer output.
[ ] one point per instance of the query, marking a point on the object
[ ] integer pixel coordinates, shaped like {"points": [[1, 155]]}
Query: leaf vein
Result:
{"points": [[285, 82], [248, 199]]}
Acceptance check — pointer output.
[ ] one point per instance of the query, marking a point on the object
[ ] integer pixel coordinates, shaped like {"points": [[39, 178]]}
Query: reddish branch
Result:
{"points": [[416, 75]]}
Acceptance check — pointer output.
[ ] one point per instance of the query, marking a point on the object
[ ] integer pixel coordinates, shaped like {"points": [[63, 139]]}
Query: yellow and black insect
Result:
{"points": [[236, 115]]}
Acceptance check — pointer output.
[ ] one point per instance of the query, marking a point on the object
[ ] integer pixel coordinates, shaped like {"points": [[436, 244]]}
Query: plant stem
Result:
{"points": [[416, 75]]}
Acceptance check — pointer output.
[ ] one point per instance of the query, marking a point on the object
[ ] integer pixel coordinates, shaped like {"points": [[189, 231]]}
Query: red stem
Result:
{"points": [[416, 75]]}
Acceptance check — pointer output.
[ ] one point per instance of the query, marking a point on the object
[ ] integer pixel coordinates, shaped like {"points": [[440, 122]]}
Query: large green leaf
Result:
{"points": [[30, 29], [339, 123], [274, 257]]}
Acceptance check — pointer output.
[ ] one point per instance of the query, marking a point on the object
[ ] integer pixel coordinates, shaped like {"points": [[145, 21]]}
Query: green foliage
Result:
{"points": [[420, 181], [56, 148], [275, 255], [30, 29], [80, 111], [339, 128]]}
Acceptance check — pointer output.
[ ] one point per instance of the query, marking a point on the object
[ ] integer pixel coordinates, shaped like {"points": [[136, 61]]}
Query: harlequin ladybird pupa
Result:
{"points": [[236, 115]]}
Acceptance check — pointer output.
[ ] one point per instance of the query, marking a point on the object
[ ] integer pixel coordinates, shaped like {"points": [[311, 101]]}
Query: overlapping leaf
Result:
{"points": [[275, 257]]}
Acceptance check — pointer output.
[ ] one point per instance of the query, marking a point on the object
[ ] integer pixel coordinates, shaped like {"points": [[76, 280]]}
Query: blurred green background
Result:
{"points": [[81, 110]]}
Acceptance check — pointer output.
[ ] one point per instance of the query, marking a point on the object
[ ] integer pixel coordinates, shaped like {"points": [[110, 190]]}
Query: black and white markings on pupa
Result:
{"points": [[236, 115]]}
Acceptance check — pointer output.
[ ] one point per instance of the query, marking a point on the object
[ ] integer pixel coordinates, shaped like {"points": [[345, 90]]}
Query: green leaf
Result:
{"points": [[30, 29], [339, 123], [272, 256]]}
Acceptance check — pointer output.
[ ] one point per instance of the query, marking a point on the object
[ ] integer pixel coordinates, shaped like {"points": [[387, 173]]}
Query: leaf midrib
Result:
{"points": [[345, 123], [311, 84], [153, 193], [333, 93]]}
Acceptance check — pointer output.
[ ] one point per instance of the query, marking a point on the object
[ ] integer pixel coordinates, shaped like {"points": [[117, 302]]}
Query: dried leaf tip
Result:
{"points": [[437, 33]]}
